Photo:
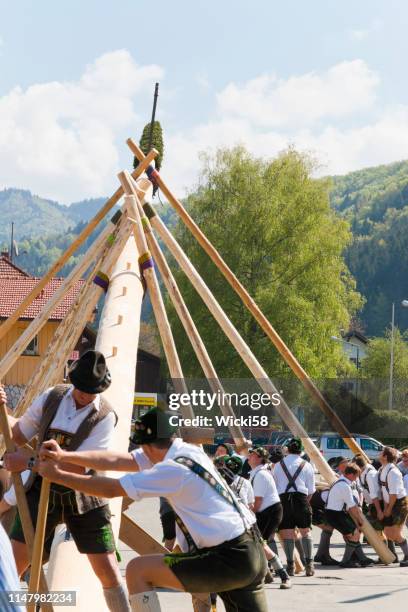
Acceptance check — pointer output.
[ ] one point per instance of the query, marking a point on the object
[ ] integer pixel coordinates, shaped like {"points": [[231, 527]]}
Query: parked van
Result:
{"points": [[332, 445]]}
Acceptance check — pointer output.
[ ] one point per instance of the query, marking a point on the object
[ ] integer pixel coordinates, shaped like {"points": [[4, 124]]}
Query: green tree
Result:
{"points": [[272, 223]]}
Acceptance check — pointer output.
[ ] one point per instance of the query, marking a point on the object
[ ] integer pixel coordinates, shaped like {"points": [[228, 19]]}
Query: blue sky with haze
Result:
{"points": [[77, 77]]}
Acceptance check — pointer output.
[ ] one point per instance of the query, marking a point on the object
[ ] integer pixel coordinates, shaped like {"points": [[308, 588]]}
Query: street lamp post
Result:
{"points": [[390, 394], [404, 304]]}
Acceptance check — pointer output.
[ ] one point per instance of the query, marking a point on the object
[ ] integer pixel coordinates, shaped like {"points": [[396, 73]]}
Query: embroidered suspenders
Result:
{"points": [[224, 492]]}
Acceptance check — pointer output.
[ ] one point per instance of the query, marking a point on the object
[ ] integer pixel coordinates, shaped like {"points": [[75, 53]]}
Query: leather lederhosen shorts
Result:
{"points": [[91, 531], [234, 569], [398, 515]]}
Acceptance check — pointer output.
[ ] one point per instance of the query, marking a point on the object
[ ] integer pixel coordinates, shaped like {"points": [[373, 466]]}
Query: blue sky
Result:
{"points": [[77, 77]]}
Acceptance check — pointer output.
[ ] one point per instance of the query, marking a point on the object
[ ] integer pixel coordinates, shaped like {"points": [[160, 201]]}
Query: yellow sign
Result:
{"points": [[145, 399]]}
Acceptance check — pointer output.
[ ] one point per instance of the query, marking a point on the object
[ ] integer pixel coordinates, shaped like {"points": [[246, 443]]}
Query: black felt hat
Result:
{"points": [[90, 373], [152, 426]]}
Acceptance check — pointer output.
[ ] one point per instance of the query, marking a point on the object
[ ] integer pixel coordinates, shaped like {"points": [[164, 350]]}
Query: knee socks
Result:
{"points": [[324, 544], [404, 547], [307, 544], [117, 599], [145, 602], [289, 548]]}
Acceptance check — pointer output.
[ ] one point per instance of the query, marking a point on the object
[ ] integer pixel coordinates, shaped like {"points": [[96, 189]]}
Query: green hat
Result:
{"points": [[152, 426], [262, 452], [234, 463], [295, 445]]}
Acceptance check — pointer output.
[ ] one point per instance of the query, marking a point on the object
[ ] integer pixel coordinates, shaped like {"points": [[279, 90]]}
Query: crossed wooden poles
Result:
{"points": [[101, 258]]}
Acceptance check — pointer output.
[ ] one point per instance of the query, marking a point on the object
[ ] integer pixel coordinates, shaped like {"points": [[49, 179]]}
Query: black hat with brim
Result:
{"points": [[90, 373], [154, 425]]}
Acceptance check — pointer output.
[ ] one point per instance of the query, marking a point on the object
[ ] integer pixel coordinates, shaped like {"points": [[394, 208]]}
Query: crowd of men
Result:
{"points": [[223, 512]]}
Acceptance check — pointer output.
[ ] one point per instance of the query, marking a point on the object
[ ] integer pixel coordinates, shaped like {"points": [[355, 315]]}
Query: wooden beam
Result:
{"points": [[87, 231], [65, 562], [253, 308], [38, 323], [254, 366], [49, 371], [22, 504], [190, 328], [159, 310]]}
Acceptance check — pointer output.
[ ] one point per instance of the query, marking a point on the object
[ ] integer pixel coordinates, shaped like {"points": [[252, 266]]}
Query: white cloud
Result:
{"points": [[335, 115], [59, 139], [271, 102], [65, 140]]}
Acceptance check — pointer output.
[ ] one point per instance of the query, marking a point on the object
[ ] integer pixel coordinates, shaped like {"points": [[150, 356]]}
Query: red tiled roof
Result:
{"points": [[10, 270], [13, 290]]}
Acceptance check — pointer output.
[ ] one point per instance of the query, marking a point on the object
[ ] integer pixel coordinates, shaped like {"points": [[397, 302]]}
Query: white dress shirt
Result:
{"points": [[209, 518], [392, 476], [264, 486], [67, 419], [340, 496], [305, 482], [369, 483]]}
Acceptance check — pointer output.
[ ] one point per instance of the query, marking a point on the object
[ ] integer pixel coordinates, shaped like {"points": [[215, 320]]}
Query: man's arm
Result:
{"points": [[101, 460], [356, 514], [100, 486]]}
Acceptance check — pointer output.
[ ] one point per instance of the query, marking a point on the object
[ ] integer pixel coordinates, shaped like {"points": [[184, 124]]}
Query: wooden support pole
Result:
{"points": [[254, 366], [254, 309], [159, 310], [65, 561], [22, 504], [190, 327], [49, 372], [87, 231], [36, 325], [39, 538]]}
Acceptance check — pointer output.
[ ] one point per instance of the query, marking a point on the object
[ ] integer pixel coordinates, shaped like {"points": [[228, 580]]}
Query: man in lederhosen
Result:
{"points": [[369, 484], [344, 514], [267, 508], [394, 500], [295, 481], [77, 417], [222, 550]]}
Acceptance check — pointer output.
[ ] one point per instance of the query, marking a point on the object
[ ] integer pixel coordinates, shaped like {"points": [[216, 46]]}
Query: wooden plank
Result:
{"points": [[138, 539]]}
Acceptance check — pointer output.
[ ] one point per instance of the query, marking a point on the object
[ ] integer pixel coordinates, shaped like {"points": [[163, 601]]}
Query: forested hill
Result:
{"points": [[365, 196], [374, 200], [34, 216]]}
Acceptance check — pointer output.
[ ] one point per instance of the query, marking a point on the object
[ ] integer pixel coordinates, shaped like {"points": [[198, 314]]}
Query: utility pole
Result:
{"points": [[391, 358], [12, 242]]}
